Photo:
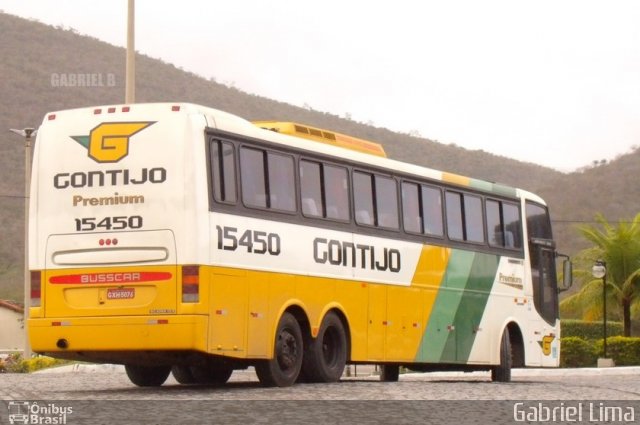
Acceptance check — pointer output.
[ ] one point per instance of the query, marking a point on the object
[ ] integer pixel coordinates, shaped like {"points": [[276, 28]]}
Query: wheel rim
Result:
{"points": [[329, 344], [288, 351]]}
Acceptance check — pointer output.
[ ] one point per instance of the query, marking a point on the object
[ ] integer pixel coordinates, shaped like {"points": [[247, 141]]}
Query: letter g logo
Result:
{"points": [[109, 141]]}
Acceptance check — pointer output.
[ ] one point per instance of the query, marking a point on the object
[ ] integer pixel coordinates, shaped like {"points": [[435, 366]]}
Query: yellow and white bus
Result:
{"points": [[174, 237]]}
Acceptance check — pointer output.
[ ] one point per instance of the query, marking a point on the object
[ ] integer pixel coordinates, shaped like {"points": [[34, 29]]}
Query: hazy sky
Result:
{"points": [[551, 82]]}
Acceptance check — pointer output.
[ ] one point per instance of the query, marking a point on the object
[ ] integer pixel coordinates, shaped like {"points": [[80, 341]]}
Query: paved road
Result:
{"points": [[104, 394]]}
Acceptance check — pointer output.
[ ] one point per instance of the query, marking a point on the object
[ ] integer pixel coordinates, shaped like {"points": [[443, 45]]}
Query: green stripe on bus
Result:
{"points": [[473, 304], [495, 188], [459, 307], [434, 344]]}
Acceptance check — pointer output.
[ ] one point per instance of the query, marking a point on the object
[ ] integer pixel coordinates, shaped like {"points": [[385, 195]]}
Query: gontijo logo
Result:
{"points": [[109, 141]]}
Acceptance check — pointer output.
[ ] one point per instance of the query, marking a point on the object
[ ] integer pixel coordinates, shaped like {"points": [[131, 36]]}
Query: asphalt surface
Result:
{"points": [[104, 394]]}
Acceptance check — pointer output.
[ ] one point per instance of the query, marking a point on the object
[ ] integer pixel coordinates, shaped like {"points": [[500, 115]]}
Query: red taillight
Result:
{"points": [[36, 288], [190, 284], [175, 108], [103, 242]]}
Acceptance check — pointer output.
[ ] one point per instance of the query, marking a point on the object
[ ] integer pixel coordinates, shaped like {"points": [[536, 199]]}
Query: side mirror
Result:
{"points": [[567, 275]]}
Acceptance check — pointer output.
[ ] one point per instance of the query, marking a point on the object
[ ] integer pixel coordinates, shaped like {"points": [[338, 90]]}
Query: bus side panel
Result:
{"points": [[404, 322], [228, 312]]}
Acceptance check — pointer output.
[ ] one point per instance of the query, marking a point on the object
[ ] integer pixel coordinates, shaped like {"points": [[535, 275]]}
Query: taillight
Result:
{"points": [[190, 284], [36, 288]]}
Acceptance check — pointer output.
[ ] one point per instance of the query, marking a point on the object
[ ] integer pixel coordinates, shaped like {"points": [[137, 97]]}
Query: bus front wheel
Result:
{"points": [[502, 372], [147, 376], [283, 369]]}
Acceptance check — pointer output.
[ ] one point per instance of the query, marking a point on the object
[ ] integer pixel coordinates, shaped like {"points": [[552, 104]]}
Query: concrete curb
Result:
{"points": [[610, 371]]}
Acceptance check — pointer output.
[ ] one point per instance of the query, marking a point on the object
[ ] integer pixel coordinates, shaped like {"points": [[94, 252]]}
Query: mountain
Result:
{"points": [[38, 61]]}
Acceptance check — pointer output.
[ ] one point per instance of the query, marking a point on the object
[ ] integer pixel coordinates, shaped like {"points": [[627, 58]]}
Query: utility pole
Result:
{"points": [[27, 133], [130, 84]]}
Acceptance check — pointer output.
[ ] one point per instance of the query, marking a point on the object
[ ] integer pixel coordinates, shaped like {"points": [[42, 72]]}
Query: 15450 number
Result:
{"points": [[254, 241], [89, 224]]}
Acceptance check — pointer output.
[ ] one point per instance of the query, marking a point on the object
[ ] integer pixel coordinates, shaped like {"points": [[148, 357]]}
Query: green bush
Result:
{"points": [[577, 352], [590, 330], [624, 351]]}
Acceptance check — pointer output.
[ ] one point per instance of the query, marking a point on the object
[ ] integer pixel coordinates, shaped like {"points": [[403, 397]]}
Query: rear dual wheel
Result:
{"points": [[326, 355], [211, 373], [147, 376]]}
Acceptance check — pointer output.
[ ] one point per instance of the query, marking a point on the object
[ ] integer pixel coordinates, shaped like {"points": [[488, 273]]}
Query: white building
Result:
{"points": [[11, 329]]}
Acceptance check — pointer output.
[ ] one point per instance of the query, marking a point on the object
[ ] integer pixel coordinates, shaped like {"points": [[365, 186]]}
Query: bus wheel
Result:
{"points": [[502, 372], [389, 373], [183, 375], [213, 373], [283, 369], [147, 376], [326, 356]]}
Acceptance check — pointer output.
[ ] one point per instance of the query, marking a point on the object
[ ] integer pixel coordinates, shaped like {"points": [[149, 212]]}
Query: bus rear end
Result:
{"points": [[112, 196]]}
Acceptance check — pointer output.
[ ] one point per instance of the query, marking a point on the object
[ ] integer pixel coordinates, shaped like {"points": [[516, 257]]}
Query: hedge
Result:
{"points": [[590, 330], [577, 352], [624, 351]]}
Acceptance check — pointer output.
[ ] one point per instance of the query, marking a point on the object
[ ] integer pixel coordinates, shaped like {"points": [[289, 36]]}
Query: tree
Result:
{"points": [[619, 246]]}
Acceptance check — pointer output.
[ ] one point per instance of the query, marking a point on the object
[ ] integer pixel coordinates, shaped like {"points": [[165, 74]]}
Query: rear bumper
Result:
{"points": [[122, 333]]}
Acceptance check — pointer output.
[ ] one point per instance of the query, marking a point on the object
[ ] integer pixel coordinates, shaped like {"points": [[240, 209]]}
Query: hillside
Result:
{"points": [[35, 55]]}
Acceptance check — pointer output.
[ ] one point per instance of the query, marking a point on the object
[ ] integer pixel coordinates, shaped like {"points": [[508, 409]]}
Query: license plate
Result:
{"points": [[121, 293]]}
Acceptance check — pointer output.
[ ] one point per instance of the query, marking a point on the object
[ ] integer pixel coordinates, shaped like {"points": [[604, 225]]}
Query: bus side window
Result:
{"points": [[336, 190], [252, 176], [223, 171], [464, 217], [432, 211], [411, 208], [454, 215], [324, 190], [473, 222], [363, 198], [503, 224], [267, 180], [386, 202], [281, 184], [512, 226], [495, 225]]}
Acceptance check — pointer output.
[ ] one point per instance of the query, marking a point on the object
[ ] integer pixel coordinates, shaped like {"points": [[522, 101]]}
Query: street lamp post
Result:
{"points": [[599, 271], [27, 133]]}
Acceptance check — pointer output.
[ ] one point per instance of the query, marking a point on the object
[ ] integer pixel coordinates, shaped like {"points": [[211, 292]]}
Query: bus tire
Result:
{"points": [[183, 374], [283, 369], [502, 372], [147, 376], [213, 373], [389, 373], [326, 355]]}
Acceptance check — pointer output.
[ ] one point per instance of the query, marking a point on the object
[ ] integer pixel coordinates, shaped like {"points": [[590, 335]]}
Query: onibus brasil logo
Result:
{"points": [[28, 412], [109, 141]]}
